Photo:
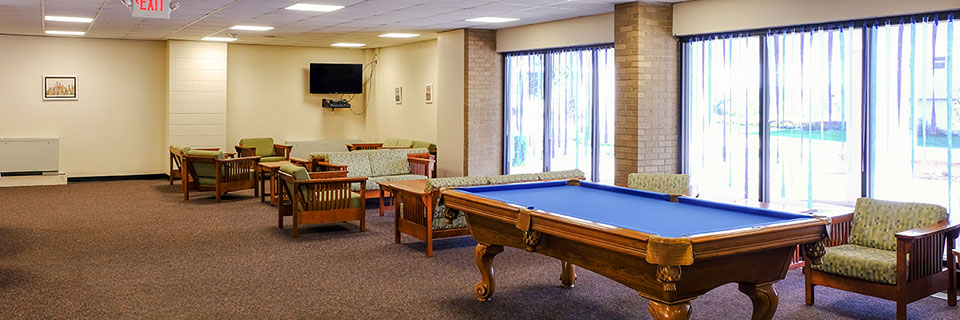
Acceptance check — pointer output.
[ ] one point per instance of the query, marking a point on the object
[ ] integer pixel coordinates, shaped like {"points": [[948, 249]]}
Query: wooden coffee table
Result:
{"points": [[270, 169]]}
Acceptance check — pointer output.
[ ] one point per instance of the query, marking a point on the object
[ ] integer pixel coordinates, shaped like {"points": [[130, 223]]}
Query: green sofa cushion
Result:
{"points": [[660, 182], [272, 159], [397, 143], [205, 170], [437, 183], [440, 223], [557, 175], [876, 222], [298, 173], [512, 178], [264, 145], [371, 184], [180, 148], [358, 164], [404, 177], [424, 144], [388, 163], [860, 262]]}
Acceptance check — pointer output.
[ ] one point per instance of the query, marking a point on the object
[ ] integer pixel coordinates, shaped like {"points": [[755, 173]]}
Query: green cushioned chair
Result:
{"points": [[675, 184], [319, 197], [264, 148], [208, 170], [890, 250]]}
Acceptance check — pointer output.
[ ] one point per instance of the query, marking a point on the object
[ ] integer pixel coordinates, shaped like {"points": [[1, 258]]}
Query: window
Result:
{"points": [[559, 111], [825, 113]]}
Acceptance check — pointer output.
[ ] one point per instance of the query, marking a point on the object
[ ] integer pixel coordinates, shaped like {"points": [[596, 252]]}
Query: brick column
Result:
{"points": [[483, 104], [647, 124]]}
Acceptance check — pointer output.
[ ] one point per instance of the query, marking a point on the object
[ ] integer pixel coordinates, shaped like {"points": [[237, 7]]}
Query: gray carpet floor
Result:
{"points": [[135, 249]]}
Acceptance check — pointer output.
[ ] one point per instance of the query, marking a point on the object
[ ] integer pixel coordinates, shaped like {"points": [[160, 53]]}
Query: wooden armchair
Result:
{"points": [[210, 171], [176, 160], [319, 197], [264, 148], [888, 250]]}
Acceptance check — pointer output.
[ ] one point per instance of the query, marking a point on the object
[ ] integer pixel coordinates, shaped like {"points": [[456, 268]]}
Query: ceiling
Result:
{"points": [[360, 21]]}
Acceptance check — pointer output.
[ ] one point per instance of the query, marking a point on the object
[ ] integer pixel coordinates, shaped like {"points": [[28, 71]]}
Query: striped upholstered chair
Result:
{"points": [[676, 184], [889, 250]]}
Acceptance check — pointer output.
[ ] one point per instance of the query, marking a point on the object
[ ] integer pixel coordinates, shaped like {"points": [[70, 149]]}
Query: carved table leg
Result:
{"points": [[764, 299], [663, 311], [484, 254], [568, 275]]}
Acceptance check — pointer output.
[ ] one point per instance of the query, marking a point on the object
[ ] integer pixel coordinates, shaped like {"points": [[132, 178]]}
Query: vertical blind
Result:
{"points": [[830, 112]]}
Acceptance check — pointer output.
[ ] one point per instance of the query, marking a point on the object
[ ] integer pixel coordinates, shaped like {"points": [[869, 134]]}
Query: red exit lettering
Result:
{"points": [[150, 5]]}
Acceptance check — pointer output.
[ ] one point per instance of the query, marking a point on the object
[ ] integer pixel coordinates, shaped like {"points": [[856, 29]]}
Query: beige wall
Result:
{"points": [[197, 99], [412, 67], [709, 16], [116, 126], [449, 88], [268, 95], [563, 33]]}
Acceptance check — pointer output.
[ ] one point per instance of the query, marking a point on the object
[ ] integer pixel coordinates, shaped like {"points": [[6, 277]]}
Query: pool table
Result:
{"points": [[670, 249]]}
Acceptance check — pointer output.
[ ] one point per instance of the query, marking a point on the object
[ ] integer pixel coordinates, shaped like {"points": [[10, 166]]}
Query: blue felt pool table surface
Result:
{"points": [[637, 210]]}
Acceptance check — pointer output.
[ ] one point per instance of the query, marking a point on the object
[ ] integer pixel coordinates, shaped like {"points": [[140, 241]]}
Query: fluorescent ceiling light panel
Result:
{"points": [[491, 19], [66, 33], [224, 39], [68, 19], [314, 7], [347, 44], [399, 35], [251, 28]]}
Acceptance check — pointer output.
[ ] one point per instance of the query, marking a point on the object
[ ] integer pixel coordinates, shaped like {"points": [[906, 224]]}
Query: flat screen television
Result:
{"points": [[336, 78]]}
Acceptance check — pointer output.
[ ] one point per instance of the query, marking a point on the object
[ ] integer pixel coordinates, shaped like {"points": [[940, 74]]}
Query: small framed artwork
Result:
{"points": [[398, 95], [59, 87], [429, 93]]}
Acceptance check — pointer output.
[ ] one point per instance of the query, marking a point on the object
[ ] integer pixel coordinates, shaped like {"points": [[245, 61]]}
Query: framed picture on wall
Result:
{"points": [[59, 87], [429, 93], [398, 95]]}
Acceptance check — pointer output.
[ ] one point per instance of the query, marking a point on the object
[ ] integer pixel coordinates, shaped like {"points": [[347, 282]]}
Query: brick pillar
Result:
{"points": [[647, 124], [483, 104]]}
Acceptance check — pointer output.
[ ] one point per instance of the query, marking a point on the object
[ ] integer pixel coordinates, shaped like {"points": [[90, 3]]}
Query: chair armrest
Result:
{"points": [[332, 180], [950, 229], [245, 151], [282, 150], [326, 166], [363, 146], [327, 174]]}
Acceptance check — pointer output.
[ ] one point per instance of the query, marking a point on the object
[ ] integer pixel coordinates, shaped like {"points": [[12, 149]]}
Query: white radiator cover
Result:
{"points": [[29, 154]]}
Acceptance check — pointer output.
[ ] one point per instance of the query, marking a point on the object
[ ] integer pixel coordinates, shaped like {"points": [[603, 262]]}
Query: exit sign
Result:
{"points": [[158, 9]]}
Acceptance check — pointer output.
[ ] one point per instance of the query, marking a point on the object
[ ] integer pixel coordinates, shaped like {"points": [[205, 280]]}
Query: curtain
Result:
{"points": [[723, 116], [916, 111], [814, 115]]}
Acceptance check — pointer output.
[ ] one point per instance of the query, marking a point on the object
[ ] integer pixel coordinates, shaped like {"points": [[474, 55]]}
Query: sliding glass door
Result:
{"points": [[559, 111]]}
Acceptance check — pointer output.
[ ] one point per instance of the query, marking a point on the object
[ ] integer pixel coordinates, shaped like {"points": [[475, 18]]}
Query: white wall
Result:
{"points": [[709, 16], [116, 126], [449, 90], [197, 100], [412, 67], [268, 95], [562, 33]]}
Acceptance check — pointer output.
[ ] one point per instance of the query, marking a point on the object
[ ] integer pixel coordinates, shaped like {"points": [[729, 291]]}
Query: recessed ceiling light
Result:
{"points": [[68, 19], [225, 39], [491, 19], [314, 7], [399, 35], [347, 44], [251, 28], [66, 33]]}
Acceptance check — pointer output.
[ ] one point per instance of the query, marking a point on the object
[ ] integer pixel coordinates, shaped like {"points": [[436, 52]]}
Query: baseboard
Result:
{"points": [[33, 180], [153, 176]]}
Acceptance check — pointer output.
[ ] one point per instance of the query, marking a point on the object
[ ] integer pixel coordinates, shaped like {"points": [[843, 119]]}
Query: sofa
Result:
{"points": [[413, 213], [395, 143], [377, 165]]}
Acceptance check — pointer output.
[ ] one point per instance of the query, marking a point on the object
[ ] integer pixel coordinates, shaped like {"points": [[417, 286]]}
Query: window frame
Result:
{"points": [[546, 89]]}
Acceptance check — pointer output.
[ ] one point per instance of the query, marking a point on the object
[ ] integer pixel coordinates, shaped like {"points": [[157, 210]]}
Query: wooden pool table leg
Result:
{"points": [[663, 311], [568, 275], [764, 298], [484, 254]]}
